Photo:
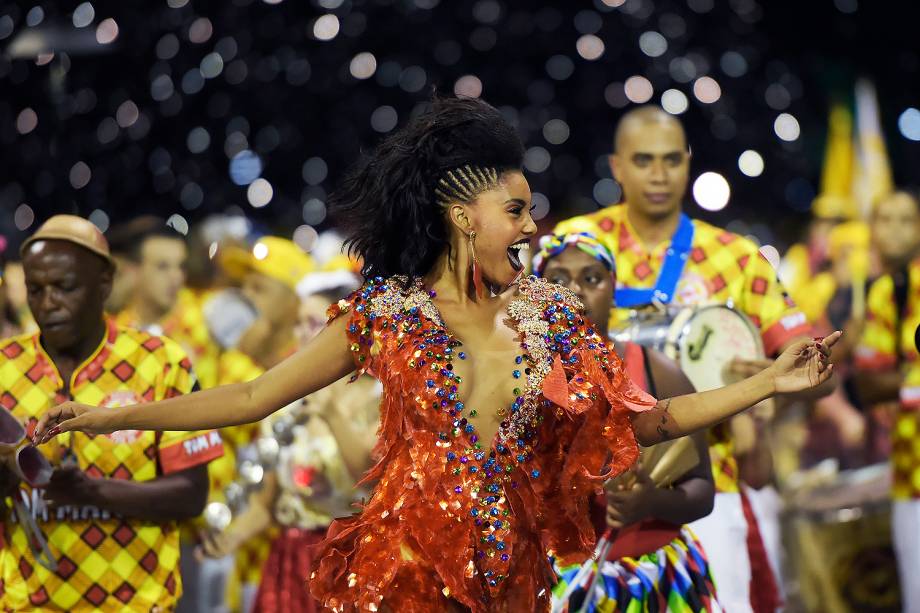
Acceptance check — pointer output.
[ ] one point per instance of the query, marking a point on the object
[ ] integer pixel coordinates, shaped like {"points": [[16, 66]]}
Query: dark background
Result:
{"points": [[292, 97]]}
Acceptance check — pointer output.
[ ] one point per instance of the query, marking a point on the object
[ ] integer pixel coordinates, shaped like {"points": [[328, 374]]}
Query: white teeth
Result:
{"points": [[521, 247]]}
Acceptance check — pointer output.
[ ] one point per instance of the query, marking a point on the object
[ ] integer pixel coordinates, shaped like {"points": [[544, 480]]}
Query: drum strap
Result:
{"points": [[673, 267]]}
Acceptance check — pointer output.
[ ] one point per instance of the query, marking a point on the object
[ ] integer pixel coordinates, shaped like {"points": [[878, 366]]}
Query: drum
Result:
{"points": [[704, 340], [838, 543]]}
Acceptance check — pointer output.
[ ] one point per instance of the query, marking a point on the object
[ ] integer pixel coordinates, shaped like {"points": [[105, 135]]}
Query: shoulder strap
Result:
{"points": [[635, 364]]}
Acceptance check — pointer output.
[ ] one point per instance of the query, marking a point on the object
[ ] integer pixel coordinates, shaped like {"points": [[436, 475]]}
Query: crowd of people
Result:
{"points": [[404, 419]]}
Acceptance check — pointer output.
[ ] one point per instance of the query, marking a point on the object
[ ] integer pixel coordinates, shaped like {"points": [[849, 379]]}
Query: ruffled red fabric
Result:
{"points": [[413, 546]]}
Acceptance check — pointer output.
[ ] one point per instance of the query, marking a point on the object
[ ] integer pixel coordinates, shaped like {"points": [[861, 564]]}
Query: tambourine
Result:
{"points": [[30, 464], [33, 468]]}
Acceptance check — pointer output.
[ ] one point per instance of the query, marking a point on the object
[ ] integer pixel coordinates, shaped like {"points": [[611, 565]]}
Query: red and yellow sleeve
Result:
{"points": [[878, 346], [181, 450], [766, 302]]}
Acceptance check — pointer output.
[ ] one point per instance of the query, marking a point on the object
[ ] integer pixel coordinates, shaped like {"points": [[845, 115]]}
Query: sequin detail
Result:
{"points": [[453, 514]]}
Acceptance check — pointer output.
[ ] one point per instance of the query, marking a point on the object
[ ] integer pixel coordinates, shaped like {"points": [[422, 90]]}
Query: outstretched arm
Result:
{"points": [[803, 365], [323, 360]]}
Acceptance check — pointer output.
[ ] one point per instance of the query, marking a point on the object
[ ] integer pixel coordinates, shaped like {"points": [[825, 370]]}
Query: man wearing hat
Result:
{"points": [[109, 513], [268, 273]]}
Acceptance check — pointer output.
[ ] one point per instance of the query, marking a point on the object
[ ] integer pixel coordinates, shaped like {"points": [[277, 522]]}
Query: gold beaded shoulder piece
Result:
{"points": [[394, 295], [529, 311]]}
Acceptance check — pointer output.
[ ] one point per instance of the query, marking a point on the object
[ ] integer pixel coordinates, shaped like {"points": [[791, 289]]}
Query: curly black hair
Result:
{"points": [[387, 206]]}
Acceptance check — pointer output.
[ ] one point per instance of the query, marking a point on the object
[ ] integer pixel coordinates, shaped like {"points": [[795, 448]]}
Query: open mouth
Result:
{"points": [[517, 254]]}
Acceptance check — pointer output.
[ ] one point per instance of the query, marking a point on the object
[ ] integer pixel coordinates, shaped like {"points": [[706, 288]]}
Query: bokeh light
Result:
{"points": [[909, 124], [245, 167], [590, 47], [539, 206], [674, 101], [106, 32], [653, 44], [751, 163], [363, 65], [83, 15], [23, 217], [384, 118], [606, 192], [178, 223], [469, 86], [326, 27], [80, 175], [305, 237], [638, 89], [100, 219], [259, 193], [26, 121], [556, 131], [711, 191], [786, 127], [707, 90]]}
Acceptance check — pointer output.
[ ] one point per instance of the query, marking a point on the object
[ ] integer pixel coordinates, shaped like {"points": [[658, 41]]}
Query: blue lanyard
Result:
{"points": [[671, 270]]}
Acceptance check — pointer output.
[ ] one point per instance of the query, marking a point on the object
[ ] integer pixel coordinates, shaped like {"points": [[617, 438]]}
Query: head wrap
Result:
{"points": [[552, 245]]}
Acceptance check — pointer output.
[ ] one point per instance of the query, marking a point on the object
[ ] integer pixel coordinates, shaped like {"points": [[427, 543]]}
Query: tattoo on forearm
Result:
{"points": [[663, 422], [657, 424]]}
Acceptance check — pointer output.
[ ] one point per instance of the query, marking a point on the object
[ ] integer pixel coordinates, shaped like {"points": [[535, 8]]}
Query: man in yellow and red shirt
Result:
{"points": [[109, 512], [664, 256], [161, 304], [887, 360]]}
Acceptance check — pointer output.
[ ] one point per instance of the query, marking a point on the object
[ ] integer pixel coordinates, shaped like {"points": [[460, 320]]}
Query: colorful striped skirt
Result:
{"points": [[674, 579]]}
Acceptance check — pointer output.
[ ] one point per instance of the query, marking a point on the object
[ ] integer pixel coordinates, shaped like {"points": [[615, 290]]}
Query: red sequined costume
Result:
{"points": [[453, 520]]}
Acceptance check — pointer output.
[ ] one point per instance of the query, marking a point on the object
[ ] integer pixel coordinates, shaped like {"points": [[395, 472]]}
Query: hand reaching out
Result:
{"points": [[804, 365], [70, 416]]}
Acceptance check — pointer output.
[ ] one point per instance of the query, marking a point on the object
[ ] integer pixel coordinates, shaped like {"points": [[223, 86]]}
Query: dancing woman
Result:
{"points": [[500, 401]]}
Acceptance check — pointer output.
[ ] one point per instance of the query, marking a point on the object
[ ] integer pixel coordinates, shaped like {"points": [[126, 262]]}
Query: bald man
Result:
{"points": [[664, 256]]}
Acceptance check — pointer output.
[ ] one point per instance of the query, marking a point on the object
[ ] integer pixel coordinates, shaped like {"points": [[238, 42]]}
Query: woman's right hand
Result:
{"points": [[70, 416]]}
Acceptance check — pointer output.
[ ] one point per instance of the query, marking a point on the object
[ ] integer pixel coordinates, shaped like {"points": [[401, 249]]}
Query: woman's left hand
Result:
{"points": [[625, 507], [804, 365]]}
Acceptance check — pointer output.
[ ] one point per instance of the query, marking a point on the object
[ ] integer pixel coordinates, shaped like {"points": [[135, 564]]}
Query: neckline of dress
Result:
{"points": [[531, 328]]}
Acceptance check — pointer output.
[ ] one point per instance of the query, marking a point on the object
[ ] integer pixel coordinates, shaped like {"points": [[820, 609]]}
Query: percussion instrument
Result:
{"points": [[838, 542], [33, 468], [704, 340]]}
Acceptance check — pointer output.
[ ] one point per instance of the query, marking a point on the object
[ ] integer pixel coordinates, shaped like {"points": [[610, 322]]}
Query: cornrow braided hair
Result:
{"points": [[464, 183], [390, 206]]}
